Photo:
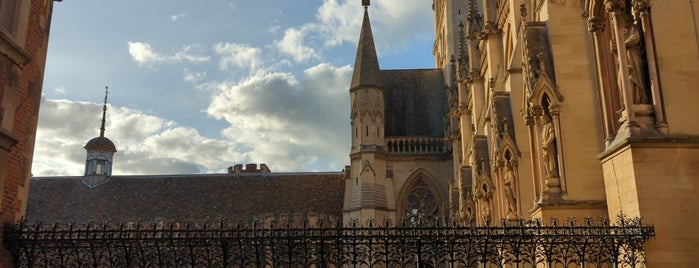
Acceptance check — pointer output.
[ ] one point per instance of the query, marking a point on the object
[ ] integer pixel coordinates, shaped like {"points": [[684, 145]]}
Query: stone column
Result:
{"points": [[609, 95]]}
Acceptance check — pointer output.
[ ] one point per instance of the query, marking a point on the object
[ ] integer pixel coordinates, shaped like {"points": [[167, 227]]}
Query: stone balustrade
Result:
{"points": [[415, 145]]}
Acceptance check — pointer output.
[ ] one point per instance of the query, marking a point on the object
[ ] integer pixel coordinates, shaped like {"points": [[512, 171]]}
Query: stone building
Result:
{"points": [[567, 132], [535, 109], [528, 114]]}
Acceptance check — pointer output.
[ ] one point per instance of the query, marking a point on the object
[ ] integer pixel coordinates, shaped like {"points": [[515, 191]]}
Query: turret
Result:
{"points": [[366, 185], [100, 151], [367, 93]]}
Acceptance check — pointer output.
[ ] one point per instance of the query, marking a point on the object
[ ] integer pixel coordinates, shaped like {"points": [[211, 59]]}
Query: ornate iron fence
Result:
{"points": [[232, 244]]}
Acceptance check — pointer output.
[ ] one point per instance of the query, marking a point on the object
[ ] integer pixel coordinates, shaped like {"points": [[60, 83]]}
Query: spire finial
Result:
{"points": [[104, 110], [365, 3]]}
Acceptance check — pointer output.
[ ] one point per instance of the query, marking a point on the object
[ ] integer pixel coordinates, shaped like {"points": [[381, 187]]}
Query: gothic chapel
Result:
{"points": [[536, 109]]}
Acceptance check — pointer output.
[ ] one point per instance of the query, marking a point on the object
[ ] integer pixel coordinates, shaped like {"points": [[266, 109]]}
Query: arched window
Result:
{"points": [[420, 203]]}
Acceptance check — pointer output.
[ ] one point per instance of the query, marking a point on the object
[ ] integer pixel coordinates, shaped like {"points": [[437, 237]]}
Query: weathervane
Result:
{"points": [[365, 3]]}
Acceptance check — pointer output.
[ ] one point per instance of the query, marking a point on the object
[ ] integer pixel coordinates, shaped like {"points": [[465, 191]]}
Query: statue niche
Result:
{"points": [[637, 67], [548, 147], [510, 199]]}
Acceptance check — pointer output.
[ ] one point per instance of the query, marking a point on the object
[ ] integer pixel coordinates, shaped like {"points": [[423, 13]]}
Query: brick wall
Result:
{"points": [[22, 61]]}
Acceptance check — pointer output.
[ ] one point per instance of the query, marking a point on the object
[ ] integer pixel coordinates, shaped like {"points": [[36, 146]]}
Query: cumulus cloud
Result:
{"points": [[234, 55], [143, 54], [293, 44], [338, 22], [146, 144], [291, 122]]}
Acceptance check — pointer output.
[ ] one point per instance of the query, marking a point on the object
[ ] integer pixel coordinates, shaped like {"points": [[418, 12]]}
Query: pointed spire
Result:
{"points": [[104, 110], [366, 65]]}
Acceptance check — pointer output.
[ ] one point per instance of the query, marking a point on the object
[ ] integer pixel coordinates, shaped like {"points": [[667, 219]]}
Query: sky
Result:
{"points": [[198, 86]]}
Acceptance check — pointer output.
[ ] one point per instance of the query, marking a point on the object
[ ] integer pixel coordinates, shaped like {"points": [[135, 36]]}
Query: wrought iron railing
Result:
{"points": [[227, 244]]}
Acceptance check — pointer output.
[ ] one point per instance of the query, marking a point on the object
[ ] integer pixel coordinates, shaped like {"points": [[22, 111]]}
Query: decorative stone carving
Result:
{"points": [[615, 5], [510, 199], [485, 210], [548, 146], [641, 6], [636, 65], [596, 24]]}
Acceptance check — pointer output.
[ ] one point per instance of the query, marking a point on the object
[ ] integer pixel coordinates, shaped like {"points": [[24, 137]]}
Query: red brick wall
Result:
{"points": [[26, 98], [20, 95]]}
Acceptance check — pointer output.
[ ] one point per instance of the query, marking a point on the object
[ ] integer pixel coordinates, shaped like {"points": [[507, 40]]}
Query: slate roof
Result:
{"points": [[180, 198], [502, 118], [366, 64], [414, 102], [538, 52]]}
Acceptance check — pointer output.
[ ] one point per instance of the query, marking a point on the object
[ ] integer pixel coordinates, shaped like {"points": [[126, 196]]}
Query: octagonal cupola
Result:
{"points": [[100, 152]]}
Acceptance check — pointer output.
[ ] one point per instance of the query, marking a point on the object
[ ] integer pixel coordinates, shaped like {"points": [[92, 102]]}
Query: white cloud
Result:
{"points": [[338, 21], [176, 17], [143, 54], [60, 90], [293, 44], [238, 55], [192, 76], [288, 122], [146, 144], [291, 123]]}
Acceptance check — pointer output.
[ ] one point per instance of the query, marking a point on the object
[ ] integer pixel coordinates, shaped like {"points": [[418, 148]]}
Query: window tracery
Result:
{"points": [[420, 203]]}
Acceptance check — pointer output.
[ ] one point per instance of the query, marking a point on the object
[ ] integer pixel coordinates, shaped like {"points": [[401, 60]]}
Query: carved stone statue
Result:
{"points": [[485, 210], [510, 200], [636, 64], [548, 146]]}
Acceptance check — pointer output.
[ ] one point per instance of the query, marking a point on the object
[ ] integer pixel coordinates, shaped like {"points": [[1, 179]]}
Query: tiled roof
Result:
{"points": [[197, 197]]}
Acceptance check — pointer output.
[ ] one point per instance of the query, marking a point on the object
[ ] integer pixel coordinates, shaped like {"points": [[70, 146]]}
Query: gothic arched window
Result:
{"points": [[420, 203]]}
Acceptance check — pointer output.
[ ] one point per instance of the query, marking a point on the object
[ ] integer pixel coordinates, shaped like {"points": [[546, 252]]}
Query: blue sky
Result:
{"points": [[197, 86]]}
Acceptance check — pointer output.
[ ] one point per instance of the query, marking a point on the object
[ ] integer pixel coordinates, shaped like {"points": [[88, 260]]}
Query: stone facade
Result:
{"points": [[541, 121]]}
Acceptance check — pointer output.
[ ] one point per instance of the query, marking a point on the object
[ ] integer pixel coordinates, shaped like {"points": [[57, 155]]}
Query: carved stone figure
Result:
{"points": [[548, 146], [510, 200], [485, 210], [636, 64]]}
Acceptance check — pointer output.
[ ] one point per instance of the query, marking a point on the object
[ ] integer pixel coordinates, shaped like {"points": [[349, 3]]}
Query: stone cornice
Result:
{"points": [[669, 141]]}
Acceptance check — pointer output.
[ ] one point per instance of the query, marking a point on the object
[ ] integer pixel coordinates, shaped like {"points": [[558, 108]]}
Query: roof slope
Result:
{"points": [[414, 102], [198, 197]]}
